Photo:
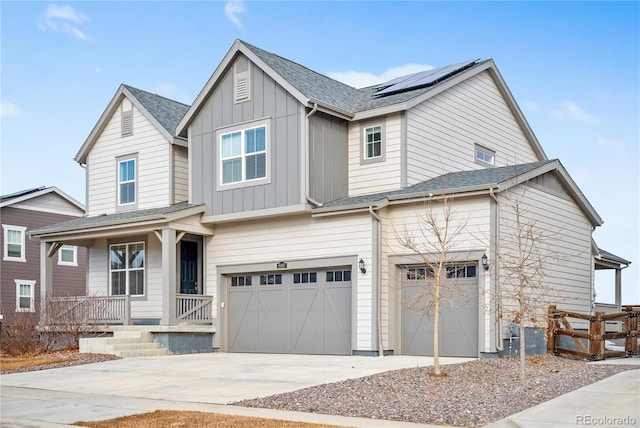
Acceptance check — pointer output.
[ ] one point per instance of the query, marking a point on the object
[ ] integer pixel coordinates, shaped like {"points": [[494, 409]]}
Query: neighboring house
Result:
{"points": [[261, 218], [22, 212]]}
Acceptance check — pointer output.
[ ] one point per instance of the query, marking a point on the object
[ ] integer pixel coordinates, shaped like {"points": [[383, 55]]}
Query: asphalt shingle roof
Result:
{"points": [[101, 220], [168, 112], [449, 182]]}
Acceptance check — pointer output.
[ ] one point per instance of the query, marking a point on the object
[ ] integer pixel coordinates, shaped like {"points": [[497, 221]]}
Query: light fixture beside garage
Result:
{"points": [[485, 261], [361, 266]]}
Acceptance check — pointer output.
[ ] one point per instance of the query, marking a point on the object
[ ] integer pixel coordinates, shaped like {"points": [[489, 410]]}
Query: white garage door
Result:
{"points": [[306, 312], [458, 324]]}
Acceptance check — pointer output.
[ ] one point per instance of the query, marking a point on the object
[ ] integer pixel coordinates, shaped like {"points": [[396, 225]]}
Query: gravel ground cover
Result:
{"points": [[470, 394]]}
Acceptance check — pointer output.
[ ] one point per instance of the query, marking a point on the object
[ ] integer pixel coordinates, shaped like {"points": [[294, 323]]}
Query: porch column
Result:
{"points": [[168, 277], [619, 289], [46, 273]]}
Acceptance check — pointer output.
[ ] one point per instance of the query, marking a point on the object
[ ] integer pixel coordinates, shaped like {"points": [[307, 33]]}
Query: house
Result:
{"points": [[262, 217], [21, 283]]}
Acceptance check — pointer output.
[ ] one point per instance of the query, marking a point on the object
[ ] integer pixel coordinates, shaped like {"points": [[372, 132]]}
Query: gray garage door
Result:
{"points": [[458, 312], [306, 312]]}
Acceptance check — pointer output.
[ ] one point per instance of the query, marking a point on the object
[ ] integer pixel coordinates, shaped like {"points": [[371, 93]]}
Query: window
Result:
{"points": [[126, 268], [241, 281], [271, 279], [484, 156], [243, 156], [419, 273], [25, 292], [127, 181], [14, 245], [339, 276], [373, 142], [67, 255], [461, 271], [305, 278]]}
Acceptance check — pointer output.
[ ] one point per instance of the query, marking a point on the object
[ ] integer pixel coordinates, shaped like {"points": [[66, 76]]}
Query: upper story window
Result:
{"points": [[127, 180], [126, 268], [372, 143], [68, 255], [25, 295], [14, 243], [244, 155], [485, 156]]}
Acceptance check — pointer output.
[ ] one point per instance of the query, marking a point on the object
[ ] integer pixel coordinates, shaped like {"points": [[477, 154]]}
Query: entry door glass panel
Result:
{"points": [[188, 267]]}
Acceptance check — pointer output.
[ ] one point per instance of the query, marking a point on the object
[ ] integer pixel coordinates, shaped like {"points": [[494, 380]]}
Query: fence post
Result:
{"points": [[596, 343], [551, 327], [630, 326]]}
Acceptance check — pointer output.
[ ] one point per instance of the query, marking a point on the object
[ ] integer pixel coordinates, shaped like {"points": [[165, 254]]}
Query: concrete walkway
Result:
{"points": [[207, 382]]}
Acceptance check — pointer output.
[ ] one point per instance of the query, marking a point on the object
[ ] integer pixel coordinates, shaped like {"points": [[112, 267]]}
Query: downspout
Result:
{"points": [[378, 284], [499, 338], [307, 161]]}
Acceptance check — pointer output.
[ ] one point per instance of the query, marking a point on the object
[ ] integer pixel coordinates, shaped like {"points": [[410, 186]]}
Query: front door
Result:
{"points": [[188, 267]]}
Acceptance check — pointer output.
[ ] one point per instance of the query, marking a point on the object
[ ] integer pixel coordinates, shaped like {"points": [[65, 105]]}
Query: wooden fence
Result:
{"points": [[591, 344]]}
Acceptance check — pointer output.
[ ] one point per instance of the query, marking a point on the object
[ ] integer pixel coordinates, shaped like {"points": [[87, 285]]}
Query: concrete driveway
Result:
{"points": [[182, 382]]}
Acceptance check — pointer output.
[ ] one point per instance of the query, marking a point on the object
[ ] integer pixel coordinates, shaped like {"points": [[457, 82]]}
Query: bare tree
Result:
{"points": [[435, 237], [525, 248]]}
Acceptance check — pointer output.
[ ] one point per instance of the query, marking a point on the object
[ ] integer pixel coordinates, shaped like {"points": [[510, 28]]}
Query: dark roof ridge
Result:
{"points": [[129, 87]]}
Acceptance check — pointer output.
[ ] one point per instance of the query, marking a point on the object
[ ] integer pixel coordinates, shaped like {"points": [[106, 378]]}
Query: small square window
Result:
{"points": [[25, 295], [68, 255], [484, 156]]}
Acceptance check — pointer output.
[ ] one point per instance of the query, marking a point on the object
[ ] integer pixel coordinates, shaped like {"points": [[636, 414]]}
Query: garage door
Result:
{"points": [[458, 312], [306, 312]]}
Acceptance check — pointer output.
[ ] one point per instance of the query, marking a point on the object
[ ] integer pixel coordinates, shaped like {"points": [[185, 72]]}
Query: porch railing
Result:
{"points": [[194, 309], [88, 310]]}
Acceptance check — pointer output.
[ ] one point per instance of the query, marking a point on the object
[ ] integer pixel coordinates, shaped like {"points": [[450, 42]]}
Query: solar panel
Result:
{"points": [[421, 79]]}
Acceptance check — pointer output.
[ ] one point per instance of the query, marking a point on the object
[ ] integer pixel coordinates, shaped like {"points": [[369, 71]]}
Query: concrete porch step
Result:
{"points": [[124, 343], [141, 353]]}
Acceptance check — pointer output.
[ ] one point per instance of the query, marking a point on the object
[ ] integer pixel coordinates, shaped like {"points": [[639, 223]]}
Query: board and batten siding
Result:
{"points": [[285, 115], [442, 131], [153, 154], [566, 236], [180, 174], [366, 178], [299, 238], [150, 305], [328, 163]]}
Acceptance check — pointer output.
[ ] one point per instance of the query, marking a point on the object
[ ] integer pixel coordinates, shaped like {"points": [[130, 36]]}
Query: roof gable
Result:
{"points": [[162, 112], [39, 192]]}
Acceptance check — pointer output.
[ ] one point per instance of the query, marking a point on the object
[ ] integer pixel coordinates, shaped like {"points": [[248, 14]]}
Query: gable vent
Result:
{"points": [[127, 123], [242, 88], [241, 80]]}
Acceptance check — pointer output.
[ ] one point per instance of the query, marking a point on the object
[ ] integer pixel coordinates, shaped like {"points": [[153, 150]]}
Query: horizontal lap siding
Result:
{"points": [[51, 203], [442, 131], [568, 264], [154, 176], [378, 176], [298, 238], [180, 174]]}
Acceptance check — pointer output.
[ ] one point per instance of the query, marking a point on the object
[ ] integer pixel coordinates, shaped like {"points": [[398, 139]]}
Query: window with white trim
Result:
{"points": [[373, 142], [14, 243], [485, 156], [126, 269], [243, 155], [68, 255], [127, 174], [25, 295]]}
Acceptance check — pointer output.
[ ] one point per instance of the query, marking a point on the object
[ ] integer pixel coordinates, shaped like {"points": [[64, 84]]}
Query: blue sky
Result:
{"points": [[573, 67]]}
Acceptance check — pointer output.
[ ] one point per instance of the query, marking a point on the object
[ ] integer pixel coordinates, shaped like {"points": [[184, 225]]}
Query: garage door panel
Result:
{"points": [[242, 320], [272, 335]]}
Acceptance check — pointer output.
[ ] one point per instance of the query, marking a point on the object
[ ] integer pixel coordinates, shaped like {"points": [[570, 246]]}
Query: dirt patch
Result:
{"points": [[180, 419], [49, 360]]}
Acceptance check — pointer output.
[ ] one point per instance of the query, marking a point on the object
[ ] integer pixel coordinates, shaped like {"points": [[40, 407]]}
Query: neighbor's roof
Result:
{"points": [[453, 183], [163, 113], [23, 195]]}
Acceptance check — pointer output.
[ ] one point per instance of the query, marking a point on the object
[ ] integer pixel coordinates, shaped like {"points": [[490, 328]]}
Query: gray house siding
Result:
{"points": [[328, 157], [284, 116]]}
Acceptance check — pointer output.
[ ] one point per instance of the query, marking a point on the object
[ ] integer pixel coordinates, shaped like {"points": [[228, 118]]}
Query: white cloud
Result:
{"points": [[360, 79], [232, 9], [8, 109], [531, 105], [571, 110], [64, 19], [613, 144]]}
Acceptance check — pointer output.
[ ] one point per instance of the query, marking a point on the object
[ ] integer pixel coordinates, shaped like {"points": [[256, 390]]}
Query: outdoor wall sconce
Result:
{"points": [[485, 261], [361, 266]]}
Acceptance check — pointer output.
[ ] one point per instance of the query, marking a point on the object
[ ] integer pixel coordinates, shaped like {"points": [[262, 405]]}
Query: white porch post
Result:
{"points": [[168, 277], [46, 273], [619, 289]]}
